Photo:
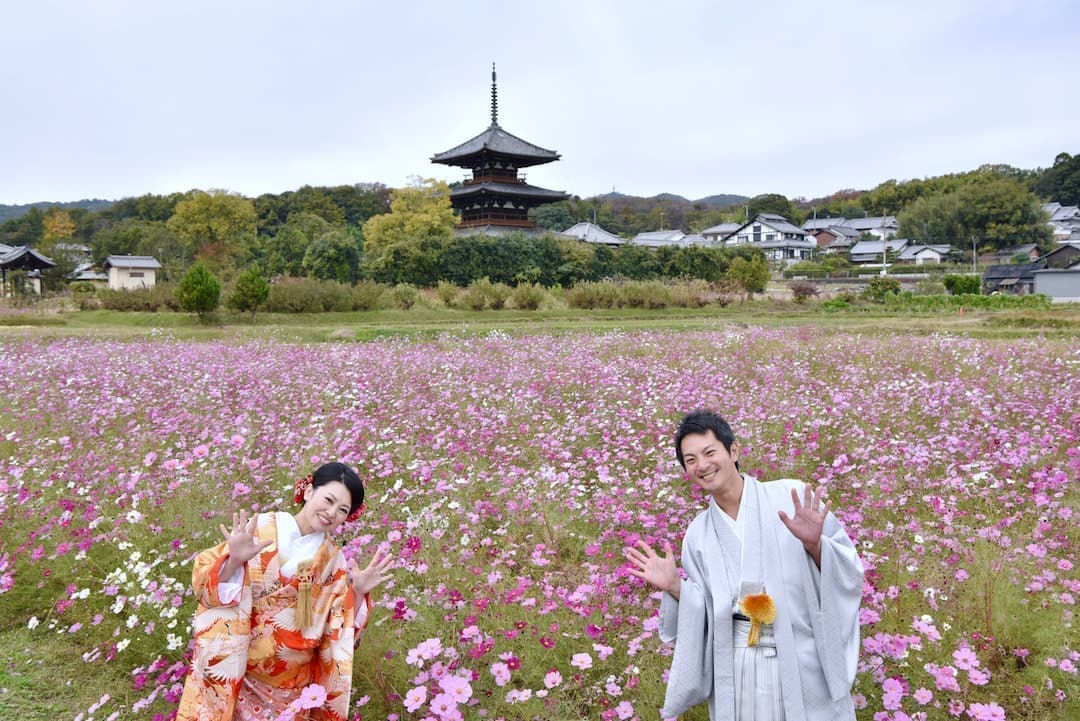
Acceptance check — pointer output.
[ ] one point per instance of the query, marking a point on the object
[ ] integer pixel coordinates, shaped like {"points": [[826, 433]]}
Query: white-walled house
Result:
{"points": [[779, 239], [924, 254], [129, 272]]}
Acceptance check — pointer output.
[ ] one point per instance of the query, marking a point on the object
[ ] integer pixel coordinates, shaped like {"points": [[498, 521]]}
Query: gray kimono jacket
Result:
{"points": [[817, 622]]}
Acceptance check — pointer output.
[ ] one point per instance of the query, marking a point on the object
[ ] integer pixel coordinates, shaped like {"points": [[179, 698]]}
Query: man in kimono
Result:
{"points": [[766, 622]]}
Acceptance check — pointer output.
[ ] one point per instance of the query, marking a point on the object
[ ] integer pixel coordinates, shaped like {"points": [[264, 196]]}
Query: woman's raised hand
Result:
{"points": [[244, 545], [365, 580]]}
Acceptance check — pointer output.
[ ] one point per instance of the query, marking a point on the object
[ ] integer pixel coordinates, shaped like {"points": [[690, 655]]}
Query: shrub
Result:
{"points": [[294, 295], [403, 296], [250, 291], [199, 292], [801, 291], [592, 294], [528, 296], [962, 284], [692, 293], [645, 294], [880, 287], [367, 295], [447, 292]]}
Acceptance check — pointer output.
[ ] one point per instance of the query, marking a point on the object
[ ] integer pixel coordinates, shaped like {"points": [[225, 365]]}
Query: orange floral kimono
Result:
{"points": [[250, 659]]}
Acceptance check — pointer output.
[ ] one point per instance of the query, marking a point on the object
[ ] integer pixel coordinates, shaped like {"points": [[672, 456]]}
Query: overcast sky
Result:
{"points": [[116, 98]]}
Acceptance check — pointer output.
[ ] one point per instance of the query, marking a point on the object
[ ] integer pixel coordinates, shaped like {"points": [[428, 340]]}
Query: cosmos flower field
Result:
{"points": [[508, 473]]}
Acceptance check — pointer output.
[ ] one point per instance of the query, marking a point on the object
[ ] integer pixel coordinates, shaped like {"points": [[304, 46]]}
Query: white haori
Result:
{"points": [[816, 631]]}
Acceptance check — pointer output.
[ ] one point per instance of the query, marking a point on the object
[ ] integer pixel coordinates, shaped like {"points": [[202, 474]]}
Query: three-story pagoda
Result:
{"points": [[495, 200]]}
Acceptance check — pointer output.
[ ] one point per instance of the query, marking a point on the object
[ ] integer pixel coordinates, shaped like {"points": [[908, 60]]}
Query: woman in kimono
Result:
{"points": [[766, 622], [278, 612]]}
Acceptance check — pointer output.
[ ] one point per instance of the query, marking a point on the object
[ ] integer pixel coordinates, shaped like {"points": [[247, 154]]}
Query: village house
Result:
{"points": [[869, 252], [776, 237], [924, 254], [593, 233], [129, 272], [1013, 278]]}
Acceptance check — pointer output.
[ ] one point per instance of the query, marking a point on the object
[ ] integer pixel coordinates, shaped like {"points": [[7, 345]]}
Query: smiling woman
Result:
{"points": [[278, 619]]}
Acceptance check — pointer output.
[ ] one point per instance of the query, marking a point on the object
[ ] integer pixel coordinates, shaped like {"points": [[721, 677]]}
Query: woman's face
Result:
{"points": [[325, 507]]}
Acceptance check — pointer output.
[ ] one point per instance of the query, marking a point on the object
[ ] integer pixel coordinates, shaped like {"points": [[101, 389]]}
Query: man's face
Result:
{"points": [[709, 464]]}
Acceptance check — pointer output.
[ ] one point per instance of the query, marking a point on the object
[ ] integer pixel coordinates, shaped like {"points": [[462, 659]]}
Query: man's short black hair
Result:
{"points": [[699, 422]]}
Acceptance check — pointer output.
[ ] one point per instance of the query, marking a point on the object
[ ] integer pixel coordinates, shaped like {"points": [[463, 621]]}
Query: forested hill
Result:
{"points": [[7, 212], [712, 201]]}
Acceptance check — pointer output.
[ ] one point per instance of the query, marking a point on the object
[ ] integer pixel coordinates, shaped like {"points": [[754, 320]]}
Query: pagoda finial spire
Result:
{"points": [[494, 98]]}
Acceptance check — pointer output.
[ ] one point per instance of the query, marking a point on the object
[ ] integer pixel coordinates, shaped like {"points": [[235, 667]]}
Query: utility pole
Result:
{"points": [[974, 256]]}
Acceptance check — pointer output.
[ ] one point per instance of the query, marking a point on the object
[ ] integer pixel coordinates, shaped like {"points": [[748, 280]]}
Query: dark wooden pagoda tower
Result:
{"points": [[495, 199]]}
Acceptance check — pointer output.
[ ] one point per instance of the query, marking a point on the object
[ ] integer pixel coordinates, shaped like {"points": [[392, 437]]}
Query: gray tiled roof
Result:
{"points": [[131, 261], [23, 256], [511, 189], [592, 233], [497, 141], [821, 223]]}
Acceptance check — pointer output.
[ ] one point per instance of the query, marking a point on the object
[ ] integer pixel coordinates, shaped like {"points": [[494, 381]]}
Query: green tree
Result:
{"points": [[214, 227], [335, 255], [284, 252], [1061, 183], [553, 216], [772, 203], [134, 236], [1000, 211], [199, 291], [250, 291], [752, 275], [420, 218]]}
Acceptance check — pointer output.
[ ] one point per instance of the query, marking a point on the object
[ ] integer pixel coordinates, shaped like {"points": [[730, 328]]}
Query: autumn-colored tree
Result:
{"points": [[420, 217], [214, 227]]}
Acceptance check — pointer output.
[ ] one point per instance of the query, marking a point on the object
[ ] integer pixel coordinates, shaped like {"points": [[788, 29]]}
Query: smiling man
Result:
{"points": [[766, 622]]}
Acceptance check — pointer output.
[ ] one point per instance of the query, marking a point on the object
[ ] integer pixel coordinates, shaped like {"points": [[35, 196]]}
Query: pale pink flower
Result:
{"points": [[582, 661], [415, 698], [552, 679]]}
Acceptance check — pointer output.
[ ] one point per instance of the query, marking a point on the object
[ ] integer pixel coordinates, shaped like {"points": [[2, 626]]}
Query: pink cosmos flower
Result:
{"points": [[965, 658], [624, 710], [581, 661], [442, 705], [415, 698], [923, 696], [501, 673], [312, 696], [552, 679], [986, 712], [456, 687]]}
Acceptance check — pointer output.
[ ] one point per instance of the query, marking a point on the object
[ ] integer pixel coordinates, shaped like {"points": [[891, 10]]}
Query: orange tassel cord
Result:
{"points": [[304, 577], [761, 609]]}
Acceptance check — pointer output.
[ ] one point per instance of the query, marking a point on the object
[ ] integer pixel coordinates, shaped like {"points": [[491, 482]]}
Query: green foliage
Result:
{"points": [[404, 296], [906, 301], [367, 295], [775, 204], [447, 292], [420, 216], [160, 297], [751, 274], [553, 216], [199, 291], [334, 255], [250, 291], [309, 295], [593, 294], [483, 294], [214, 226], [528, 296], [880, 287], [962, 284], [1061, 183]]}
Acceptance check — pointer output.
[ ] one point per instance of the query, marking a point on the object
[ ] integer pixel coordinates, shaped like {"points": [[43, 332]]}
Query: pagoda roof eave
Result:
{"points": [[517, 190], [496, 141]]}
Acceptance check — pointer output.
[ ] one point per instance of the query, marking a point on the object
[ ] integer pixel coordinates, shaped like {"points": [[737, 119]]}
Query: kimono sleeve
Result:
{"points": [[835, 600], [687, 621], [206, 576], [335, 659]]}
